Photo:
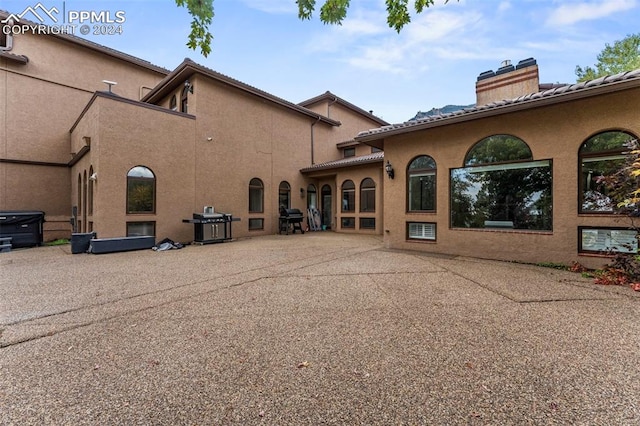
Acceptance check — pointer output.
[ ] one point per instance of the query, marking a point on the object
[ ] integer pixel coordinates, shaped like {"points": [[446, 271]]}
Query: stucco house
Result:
{"points": [[513, 177]]}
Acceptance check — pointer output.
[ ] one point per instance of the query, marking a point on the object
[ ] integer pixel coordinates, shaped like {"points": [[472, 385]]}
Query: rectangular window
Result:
{"points": [[141, 229], [422, 191], [421, 231], [368, 200], [367, 223], [349, 222], [349, 152], [256, 224], [595, 197], [608, 240], [348, 200], [503, 196]]}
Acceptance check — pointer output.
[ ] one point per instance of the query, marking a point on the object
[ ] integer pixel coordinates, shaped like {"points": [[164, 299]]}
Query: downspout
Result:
{"points": [[335, 99], [312, 125]]}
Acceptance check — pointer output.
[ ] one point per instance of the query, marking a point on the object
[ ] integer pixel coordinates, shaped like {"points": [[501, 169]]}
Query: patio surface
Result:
{"points": [[320, 328]]}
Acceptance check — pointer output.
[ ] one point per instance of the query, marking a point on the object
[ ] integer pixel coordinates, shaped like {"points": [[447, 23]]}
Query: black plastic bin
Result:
{"points": [[24, 227], [80, 242]]}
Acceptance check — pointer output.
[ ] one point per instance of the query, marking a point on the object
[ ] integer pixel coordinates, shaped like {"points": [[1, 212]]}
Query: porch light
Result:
{"points": [[389, 168]]}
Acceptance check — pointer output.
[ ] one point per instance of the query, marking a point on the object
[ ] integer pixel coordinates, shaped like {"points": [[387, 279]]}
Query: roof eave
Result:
{"points": [[188, 67], [505, 109]]}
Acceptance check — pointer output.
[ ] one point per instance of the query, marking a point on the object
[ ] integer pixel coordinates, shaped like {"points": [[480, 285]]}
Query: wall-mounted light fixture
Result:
{"points": [[188, 86], [93, 177], [301, 192], [389, 169]]}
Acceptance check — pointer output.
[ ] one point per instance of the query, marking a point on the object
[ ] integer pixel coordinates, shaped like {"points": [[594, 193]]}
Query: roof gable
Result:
{"points": [[188, 68], [329, 97]]}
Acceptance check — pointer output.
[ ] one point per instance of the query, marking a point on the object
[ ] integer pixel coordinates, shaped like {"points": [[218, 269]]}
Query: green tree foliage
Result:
{"points": [[202, 13], [331, 12], [335, 11], [624, 55]]}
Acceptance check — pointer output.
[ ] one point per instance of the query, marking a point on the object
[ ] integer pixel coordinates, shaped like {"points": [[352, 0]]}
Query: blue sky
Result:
{"points": [[434, 61]]}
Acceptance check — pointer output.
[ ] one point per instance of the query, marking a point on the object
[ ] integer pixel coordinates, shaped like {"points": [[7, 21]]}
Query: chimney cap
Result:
{"points": [[526, 63], [485, 75]]}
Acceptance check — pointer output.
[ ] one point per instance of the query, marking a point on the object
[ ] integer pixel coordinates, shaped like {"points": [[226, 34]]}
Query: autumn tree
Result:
{"points": [[624, 55]]}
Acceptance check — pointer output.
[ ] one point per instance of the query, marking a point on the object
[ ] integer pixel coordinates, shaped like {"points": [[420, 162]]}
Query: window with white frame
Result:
{"points": [[421, 231]]}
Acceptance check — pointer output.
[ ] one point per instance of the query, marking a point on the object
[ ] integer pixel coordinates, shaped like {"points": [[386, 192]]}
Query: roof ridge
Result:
{"points": [[556, 91], [96, 46]]}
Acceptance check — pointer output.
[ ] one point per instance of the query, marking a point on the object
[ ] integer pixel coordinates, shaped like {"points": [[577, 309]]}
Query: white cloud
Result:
{"points": [[504, 6], [275, 7], [572, 12]]}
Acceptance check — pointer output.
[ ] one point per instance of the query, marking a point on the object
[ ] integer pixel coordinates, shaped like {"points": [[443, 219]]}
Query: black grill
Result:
{"points": [[290, 219]]}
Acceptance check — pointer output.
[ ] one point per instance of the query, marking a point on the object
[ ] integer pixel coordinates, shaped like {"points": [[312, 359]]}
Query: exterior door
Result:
{"points": [[326, 206]]}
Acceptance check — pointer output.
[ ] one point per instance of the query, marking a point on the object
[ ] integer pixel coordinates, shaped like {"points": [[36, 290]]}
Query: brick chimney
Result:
{"points": [[508, 82]]}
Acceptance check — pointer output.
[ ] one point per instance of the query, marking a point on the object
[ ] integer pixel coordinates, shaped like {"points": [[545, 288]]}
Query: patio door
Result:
{"points": [[326, 206]]}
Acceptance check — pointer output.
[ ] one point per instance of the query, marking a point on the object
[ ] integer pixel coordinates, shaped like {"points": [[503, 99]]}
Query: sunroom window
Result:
{"points": [[502, 187], [600, 155]]}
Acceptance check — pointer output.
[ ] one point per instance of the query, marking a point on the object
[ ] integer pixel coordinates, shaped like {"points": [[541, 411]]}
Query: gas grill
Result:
{"points": [[290, 219], [211, 227]]}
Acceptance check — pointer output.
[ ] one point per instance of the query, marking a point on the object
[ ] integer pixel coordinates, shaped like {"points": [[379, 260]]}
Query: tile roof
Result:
{"points": [[328, 96], [16, 58], [553, 95], [95, 46], [346, 162], [188, 67]]}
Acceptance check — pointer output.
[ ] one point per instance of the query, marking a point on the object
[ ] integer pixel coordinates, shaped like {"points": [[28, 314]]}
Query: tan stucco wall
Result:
{"points": [[554, 132], [129, 135], [39, 102], [250, 138], [326, 138]]}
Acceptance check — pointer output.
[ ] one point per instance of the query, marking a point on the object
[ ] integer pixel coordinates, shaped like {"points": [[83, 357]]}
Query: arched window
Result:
{"points": [[184, 98], [348, 196], [91, 182], [312, 197], [421, 184], [256, 196], [284, 195], [502, 187], [600, 155], [498, 149], [173, 103], [367, 195], [141, 190]]}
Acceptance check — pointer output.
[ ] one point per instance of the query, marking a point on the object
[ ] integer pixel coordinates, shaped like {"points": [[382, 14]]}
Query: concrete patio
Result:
{"points": [[320, 328]]}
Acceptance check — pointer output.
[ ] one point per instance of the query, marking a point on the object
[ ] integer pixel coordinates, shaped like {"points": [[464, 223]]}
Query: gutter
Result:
{"points": [[537, 101]]}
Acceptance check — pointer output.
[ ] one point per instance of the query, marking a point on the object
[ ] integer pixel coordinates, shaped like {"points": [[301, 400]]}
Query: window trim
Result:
{"points": [[351, 218], [422, 172], [256, 187], [609, 154], [581, 250], [130, 178], [367, 189], [284, 189], [132, 222], [343, 191], [261, 228], [367, 218], [435, 231]]}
